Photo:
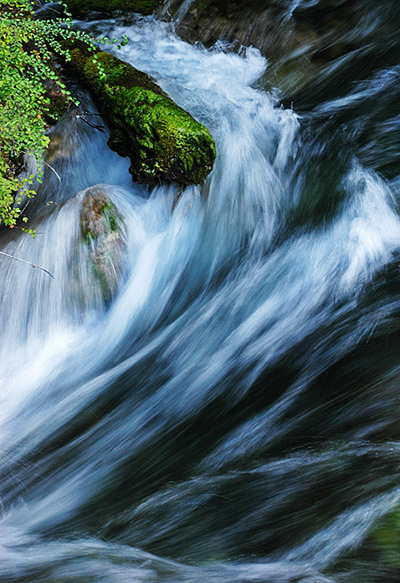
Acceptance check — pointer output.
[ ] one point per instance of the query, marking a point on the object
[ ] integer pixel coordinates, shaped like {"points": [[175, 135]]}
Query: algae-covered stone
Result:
{"points": [[162, 140], [81, 7], [103, 231]]}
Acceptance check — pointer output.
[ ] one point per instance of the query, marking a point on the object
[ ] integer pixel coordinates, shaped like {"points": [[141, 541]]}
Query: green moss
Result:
{"points": [[81, 7], [105, 70], [162, 140], [99, 217], [387, 538], [103, 232], [111, 216]]}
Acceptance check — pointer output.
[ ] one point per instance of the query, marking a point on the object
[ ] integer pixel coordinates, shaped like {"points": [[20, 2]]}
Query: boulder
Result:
{"points": [[162, 140], [102, 229]]}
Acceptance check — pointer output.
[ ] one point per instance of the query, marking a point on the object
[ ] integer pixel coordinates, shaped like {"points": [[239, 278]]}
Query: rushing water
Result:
{"points": [[232, 414]]}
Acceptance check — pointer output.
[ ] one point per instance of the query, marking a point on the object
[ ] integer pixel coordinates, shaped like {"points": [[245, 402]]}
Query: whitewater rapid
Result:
{"points": [[182, 432]]}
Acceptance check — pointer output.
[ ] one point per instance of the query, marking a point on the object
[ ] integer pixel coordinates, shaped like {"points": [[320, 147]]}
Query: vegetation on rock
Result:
{"points": [[102, 230], [31, 92], [163, 141]]}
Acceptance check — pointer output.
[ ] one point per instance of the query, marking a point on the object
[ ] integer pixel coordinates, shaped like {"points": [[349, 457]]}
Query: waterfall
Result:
{"points": [[231, 414]]}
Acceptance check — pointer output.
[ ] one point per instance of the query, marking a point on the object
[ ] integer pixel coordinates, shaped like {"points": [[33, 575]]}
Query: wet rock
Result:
{"points": [[265, 26], [379, 549], [103, 232], [162, 140], [50, 11], [80, 8], [251, 23]]}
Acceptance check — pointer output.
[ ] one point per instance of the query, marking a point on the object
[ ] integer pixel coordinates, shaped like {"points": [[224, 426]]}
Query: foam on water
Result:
{"points": [[104, 408]]}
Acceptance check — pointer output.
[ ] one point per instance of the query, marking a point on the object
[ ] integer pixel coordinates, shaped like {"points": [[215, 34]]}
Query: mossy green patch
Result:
{"points": [[103, 232], [81, 7], [163, 141], [99, 216], [387, 537]]}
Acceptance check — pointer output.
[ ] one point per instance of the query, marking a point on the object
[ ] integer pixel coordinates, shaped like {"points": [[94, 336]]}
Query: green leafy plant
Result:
{"points": [[26, 50]]}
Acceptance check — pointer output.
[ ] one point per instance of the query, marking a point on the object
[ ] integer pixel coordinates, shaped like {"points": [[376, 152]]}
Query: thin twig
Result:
{"points": [[186, 211], [89, 123], [51, 168], [90, 113], [28, 262]]}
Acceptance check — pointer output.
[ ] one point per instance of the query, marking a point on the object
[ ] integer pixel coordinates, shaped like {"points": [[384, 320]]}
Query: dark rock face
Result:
{"points": [[103, 232], [162, 140], [50, 11], [247, 23], [80, 8]]}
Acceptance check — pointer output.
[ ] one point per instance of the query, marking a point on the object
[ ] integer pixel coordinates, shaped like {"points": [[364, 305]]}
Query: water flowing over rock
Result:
{"points": [[231, 413], [299, 38], [103, 232]]}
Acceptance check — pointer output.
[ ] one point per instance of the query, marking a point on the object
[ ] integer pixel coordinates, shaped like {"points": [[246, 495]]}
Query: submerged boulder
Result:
{"points": [[82, 7], [103, 232], [162, 140]]}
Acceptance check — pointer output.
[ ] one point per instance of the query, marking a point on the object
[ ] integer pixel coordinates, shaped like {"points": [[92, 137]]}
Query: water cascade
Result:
{"points": [[231, 413]]}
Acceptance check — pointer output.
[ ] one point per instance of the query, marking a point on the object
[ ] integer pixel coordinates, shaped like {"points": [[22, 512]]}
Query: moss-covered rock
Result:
{"points": [[103, 231], [82, 7], [162, 140]]}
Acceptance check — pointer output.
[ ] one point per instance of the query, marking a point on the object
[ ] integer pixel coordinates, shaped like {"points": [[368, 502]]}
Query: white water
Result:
{"points": [[218, 290]]}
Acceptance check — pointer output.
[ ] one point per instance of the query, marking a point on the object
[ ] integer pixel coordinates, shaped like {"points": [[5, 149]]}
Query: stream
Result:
{"points": [[231, 416]]}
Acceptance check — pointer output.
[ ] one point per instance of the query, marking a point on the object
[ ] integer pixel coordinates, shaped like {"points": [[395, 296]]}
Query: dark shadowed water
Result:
{"points": [[231, 416]]}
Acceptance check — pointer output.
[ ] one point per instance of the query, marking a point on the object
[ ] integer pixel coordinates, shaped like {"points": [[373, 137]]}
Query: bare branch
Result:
{"points": [[28, 262], [89, 123], [51, 168]]}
